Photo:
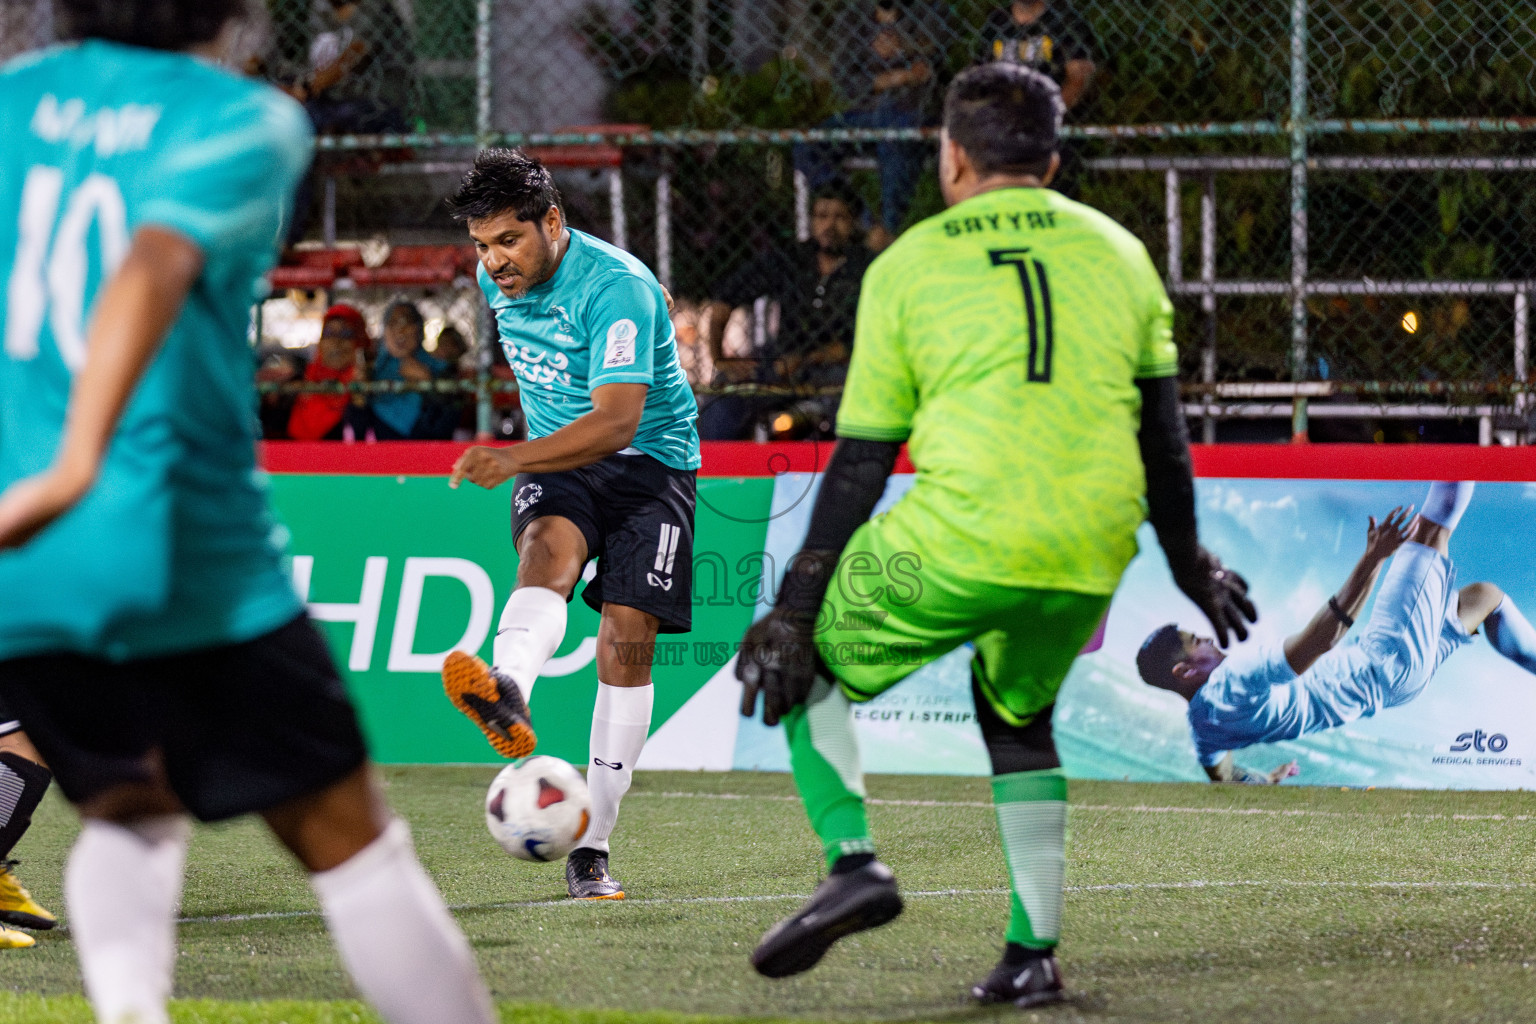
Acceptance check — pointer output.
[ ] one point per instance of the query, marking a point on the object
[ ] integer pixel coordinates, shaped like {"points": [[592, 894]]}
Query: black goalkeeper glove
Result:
{"points": [[778, 660], [1218, 592]]}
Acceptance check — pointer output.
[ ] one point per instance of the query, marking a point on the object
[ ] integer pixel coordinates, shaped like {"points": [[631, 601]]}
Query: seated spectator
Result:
{"points": [[451, 349], [360, 77], [360, 81], [340, 356], [410, 415], [888, 80], [459, 410], [1053, 38], [816, 286]]}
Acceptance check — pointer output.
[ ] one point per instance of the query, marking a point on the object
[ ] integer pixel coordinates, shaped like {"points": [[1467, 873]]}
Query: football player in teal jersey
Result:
{"points": [[160, 661], [608, 473]]}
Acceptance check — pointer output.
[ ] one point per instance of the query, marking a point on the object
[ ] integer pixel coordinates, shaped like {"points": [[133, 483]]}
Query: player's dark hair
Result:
{"points": [[1162, 650], [1006, 117], [153, 24], [501, 180], [841, 190]]}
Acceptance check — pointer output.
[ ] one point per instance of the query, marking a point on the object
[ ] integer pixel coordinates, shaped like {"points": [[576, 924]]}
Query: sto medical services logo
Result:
{"points": [[1480, 748]]}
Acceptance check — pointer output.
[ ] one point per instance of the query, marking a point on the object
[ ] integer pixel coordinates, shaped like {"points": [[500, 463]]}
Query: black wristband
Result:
{"points": [[1338, 613]]}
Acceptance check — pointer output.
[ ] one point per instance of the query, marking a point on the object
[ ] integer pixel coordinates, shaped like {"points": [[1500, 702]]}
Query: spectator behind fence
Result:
{"points": [[888, 78], [411, 415], [340, 356], [816, 286], [453, 350], [360, 80], [361, 74], [1052, 37]]}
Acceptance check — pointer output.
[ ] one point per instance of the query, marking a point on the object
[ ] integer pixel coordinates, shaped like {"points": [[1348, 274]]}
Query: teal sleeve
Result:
{"points": [[223, 188], [622, 322]]}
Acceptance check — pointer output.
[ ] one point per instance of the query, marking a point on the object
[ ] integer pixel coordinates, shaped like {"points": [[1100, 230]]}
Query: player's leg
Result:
{"points": [[94, 724], [1441, 513], [24, 778], [643, 586], [859, 891], [298, 758], [552, 548], [1508, 630], [621, 721], [1417, 597], [401, 946], [870, 640], [1015, 677]]}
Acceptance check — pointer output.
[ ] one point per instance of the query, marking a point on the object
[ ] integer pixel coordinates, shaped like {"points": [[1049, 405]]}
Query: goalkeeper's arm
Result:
{"points": [[850, 488], [1220, 593], [778, 654]]}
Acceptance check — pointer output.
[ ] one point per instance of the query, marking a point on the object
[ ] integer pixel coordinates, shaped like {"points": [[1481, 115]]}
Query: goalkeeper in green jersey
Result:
{"points": [[1020, 344]]}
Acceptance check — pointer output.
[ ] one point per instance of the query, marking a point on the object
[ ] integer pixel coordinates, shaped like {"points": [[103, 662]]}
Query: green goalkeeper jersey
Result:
{"points": [[1002, 340]]}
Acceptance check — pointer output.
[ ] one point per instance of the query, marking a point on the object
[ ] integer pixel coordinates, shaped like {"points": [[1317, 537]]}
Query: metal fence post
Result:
{"points": [[1522, 355], [664, 229], [485, 408], [1299, 213], [483, 70], [1208, 300]]}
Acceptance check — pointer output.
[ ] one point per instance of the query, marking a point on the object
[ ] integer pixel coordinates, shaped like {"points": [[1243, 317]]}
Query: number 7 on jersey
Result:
{"points": [[1032, 278]]}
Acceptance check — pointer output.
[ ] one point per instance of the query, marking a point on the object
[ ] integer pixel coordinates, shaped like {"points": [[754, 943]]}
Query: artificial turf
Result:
{"points": [[1185, 903]]}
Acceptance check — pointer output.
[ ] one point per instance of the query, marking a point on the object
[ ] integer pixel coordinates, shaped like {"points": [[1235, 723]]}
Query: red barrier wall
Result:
{"points": [[745, 458]]}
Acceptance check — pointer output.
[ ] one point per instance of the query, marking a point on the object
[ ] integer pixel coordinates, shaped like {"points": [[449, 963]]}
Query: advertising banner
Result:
{"points": [[401, 570]]}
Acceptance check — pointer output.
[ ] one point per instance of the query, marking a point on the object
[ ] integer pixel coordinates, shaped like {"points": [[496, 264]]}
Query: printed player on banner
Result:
{"points": [[1310, 683]]}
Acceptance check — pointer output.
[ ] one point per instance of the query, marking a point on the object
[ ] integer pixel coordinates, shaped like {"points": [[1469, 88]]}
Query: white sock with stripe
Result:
{"points": [[531, 628], [1032, 822], [621, 720]]}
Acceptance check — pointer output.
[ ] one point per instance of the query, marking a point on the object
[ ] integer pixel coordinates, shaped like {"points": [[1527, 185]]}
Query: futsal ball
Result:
{"points": [[538, 809]]}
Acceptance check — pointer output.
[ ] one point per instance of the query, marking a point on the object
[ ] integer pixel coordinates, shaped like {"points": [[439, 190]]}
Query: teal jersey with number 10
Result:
{"points": [[175, 547]]}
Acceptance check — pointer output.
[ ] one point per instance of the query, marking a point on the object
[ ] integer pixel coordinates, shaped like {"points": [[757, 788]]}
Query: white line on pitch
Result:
{"points": [[558, 904], [1130, 808]]}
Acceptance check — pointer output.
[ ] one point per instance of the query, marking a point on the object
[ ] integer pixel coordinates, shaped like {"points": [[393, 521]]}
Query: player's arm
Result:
{"points": [[1338, 613], [607, 429], [621, 322], [1218, 591], [135, 312], [875, 417]]}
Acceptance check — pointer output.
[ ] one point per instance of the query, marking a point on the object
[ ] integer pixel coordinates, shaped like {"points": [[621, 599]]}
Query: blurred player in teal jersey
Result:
{"points": [[608, 475], [150, 641]]}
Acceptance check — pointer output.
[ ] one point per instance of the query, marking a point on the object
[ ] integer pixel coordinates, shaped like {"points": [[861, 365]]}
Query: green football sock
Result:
{"points": [[1032, 819], [824, 756]]}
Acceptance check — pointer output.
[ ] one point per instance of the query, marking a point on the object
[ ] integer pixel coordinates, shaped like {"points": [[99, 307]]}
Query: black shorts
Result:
{"points": [[239, 729], [8, 723], [637, 515]]}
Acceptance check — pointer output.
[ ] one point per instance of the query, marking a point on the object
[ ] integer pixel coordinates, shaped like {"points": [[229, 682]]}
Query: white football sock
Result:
{"points": [[531, 628], [403, 949], [621, 720], [1445, 502], [122, 885]]}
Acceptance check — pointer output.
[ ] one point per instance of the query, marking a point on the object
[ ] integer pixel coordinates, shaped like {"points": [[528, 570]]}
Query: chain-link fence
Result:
{"points": [[1337, 189]]}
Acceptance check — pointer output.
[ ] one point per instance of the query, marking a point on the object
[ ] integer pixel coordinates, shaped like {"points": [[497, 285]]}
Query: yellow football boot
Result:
{"points": [[10, 938], [17, 907]]}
